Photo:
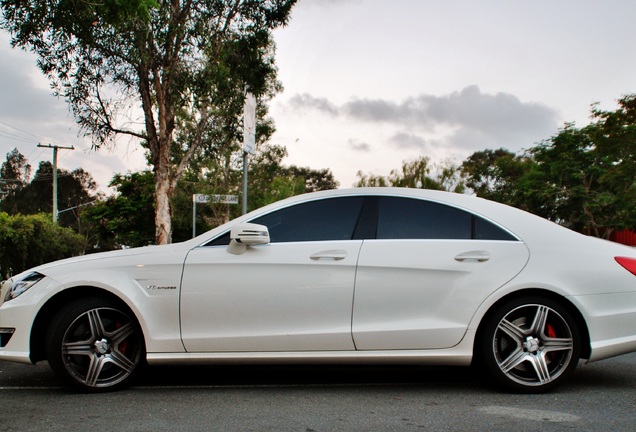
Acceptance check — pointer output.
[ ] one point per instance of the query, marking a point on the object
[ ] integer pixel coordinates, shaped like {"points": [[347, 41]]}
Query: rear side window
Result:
{"points": [[408, 218], [486, 230]]}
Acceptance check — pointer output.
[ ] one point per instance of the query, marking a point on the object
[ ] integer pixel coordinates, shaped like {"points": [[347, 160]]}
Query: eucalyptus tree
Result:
{"points": [[419, 173], [584, 177], [162, 72], [614, 133], [15, 173], [497, 175]]}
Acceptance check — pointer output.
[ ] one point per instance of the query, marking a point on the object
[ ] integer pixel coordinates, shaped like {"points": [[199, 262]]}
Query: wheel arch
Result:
{"points": [[37, 342], [563, 301]]}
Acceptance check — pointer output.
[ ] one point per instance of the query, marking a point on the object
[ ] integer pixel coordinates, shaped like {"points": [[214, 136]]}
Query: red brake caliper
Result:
{"points": [[124, 344], [551, 333]]}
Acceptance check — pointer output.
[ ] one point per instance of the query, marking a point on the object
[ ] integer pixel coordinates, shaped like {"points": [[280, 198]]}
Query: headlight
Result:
{"points": [[20, 286]]}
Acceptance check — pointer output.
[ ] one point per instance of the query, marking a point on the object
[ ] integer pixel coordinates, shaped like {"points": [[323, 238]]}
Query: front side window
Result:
{"points": [[321, 220]]}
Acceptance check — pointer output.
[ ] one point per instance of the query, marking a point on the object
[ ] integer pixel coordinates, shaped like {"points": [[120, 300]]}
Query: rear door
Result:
{"points": [[426, 272]]}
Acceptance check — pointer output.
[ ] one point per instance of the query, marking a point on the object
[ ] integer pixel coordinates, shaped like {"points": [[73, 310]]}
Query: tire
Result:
{"points": [[530, 345], [95, 345]]}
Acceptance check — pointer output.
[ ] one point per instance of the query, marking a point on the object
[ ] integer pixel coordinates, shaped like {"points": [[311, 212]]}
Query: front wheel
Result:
{"points": [[530, 345], [95, 345]]}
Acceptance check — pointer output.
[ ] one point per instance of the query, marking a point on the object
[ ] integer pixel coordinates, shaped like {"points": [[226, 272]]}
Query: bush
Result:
{"points": [[28, 241]]}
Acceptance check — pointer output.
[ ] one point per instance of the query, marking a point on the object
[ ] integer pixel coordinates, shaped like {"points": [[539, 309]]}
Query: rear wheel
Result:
{"points": [[95, 345], [530, 345]]}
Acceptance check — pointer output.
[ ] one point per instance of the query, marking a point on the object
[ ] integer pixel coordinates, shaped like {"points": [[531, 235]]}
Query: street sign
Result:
{"points": [[249, 124], [215, 199], [209, 199]]}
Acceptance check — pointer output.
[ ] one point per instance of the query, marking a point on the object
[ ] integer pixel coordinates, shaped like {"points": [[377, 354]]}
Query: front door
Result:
{"points": [[294, 294]]}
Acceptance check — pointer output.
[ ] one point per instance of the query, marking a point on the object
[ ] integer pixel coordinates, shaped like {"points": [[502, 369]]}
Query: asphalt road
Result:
{"points": [[600, 397]]}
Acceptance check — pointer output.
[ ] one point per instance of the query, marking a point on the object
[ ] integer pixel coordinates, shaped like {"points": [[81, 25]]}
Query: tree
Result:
{"points": [[125, 219], [419, 174], [580, 177], [314, 180], [268, 181], [75, 189], [271, 181], [185, 64], [614, 135], [584, 177], [14, 175], [28, 241], [496, 175]]}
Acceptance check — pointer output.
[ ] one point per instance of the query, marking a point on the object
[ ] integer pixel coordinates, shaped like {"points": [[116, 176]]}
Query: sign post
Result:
{"points": [[249, 139]]}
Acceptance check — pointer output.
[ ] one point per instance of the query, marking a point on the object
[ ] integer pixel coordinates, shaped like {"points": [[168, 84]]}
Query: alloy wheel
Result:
{"points": [[533, 345]]}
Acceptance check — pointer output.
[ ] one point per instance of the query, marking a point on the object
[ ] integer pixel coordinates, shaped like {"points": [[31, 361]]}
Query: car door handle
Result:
{"points": [[479, 256], [335, 255]]}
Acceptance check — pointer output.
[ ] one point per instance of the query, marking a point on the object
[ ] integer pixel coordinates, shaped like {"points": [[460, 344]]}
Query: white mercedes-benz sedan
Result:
{"points": [[378, 275]]}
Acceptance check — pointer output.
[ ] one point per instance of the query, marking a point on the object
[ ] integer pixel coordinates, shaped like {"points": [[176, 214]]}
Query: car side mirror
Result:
{"points": [[247, 234]]}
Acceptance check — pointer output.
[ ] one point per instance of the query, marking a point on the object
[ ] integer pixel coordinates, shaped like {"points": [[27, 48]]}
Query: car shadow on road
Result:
{"points": [[294, 375], [617, 374]]}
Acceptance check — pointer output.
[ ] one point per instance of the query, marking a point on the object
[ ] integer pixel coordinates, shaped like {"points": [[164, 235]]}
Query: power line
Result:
{"points": [[14, 137], [39, 138], [30, 139]]}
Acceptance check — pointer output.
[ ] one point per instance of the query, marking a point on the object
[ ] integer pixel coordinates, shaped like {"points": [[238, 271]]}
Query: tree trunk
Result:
{"points": [[163, 220], [163, 192]]}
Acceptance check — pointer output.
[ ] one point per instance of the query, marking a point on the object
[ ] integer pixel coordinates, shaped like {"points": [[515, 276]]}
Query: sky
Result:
{"points": [[369, 84]]}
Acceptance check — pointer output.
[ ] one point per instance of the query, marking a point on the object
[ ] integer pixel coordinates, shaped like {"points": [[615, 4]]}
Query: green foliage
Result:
{"points": [[28, 241], [419, 174], [14, 175], [125, 219], [187, 64], [582, 178], [496, 175], [270, 181], [614, 134], [27, 195]]}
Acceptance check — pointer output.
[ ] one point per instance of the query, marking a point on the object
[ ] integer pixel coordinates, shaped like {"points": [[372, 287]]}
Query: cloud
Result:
{"points": [[403, 140], [501, 114], [23, 93], [327, 3], [306, 101], [377, 110], [359, 146], [463, 120], [29, 115]]}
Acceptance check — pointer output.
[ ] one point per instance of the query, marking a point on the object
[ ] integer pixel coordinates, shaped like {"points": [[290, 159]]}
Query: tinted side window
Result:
{"points": [[321, 220], [486, 230], [223, 240], [406, 218]]}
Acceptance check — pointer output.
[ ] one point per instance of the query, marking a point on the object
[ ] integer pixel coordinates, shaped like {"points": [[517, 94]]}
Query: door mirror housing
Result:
{"points": [[247, 234]]}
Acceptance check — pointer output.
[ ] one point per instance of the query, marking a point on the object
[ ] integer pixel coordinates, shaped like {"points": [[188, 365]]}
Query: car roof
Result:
{"points": [[524, 225]]}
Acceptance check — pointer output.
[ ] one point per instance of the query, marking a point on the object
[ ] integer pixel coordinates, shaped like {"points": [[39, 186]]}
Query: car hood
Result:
{"points": [[118, 257]]}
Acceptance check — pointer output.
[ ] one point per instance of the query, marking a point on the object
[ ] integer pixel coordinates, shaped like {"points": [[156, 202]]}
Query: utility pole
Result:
{"points": [[55, 149]]}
